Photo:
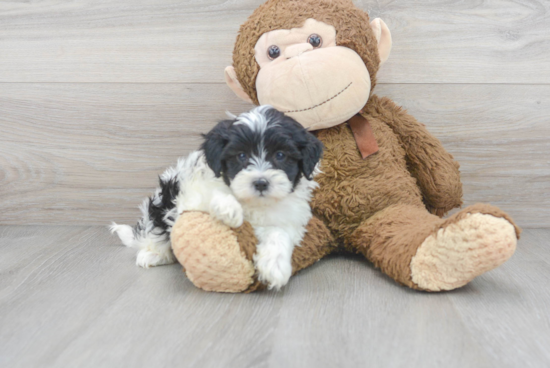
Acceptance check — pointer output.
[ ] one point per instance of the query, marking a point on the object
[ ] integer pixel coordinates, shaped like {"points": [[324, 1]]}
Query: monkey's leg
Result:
{"points": [[218, 258], [424, 252]]}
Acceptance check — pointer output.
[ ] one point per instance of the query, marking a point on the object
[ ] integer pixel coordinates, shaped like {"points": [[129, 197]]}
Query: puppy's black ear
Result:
{"points": [[312, 151], [214, 144]]}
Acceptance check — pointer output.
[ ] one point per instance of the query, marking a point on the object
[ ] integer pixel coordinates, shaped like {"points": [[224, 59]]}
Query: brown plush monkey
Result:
{"points": [[385, 179]]}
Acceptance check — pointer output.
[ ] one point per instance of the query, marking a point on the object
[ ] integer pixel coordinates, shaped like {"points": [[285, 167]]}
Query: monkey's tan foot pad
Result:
{"points": [[462, 250], [210, 253]]}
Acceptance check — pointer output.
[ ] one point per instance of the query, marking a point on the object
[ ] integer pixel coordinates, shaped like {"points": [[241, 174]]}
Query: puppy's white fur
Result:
{"points": [[279, 215], [279, 218]]}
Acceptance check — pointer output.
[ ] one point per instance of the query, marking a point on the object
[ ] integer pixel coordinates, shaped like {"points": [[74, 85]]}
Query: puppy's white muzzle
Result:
{"points": [[254, 184]]}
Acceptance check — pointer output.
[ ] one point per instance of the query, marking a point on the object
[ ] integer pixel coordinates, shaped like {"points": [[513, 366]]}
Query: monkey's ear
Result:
{"points": [[233, 83], [383, 37]]}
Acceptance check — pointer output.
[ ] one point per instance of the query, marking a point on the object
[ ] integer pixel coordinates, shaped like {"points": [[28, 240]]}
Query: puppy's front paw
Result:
{"points": [[227, 209], [274, 268]]}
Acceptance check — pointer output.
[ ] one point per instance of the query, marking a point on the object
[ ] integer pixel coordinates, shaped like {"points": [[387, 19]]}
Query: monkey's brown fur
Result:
{"points": [[352, 25], [383, 207]]}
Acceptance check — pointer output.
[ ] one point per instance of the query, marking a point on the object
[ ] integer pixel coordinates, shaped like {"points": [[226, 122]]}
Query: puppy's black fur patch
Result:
{"points": [[222, 147], [278, 141]]}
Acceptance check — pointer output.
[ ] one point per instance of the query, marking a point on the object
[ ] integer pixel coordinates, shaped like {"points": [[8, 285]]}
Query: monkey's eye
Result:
{"points": [[315, 40], [273, 52], [280, 156], [242, 157]]}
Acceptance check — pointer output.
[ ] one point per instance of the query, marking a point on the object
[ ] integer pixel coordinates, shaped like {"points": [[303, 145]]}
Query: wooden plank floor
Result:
{"points": [[72, 297]]}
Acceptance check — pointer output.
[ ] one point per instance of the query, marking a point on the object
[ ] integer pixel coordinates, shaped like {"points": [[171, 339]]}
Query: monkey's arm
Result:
{"points": [[433, 167]]}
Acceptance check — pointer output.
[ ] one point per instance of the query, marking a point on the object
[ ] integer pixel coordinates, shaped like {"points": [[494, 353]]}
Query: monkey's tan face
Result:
{"points": [[305, 75]]}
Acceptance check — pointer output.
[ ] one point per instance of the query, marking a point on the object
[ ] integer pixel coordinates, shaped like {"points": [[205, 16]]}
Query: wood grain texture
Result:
{"points": [[167, 41], [89, 153], [72, 297]]}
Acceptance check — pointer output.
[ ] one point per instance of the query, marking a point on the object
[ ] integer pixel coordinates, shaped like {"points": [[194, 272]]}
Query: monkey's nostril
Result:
{"points": [[261, 185]]}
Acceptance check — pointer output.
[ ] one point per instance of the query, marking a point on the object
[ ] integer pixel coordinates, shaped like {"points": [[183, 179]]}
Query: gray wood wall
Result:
{"points": [[97, 98]]}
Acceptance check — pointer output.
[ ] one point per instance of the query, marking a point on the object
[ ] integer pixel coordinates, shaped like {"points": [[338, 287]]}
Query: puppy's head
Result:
{"points": [[262, 153]]}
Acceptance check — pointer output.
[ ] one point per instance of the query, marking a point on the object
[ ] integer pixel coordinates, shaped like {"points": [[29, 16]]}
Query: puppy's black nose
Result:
{"points": [[261, 185]]}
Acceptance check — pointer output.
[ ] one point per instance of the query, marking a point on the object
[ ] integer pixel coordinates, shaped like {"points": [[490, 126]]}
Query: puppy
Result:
{"points": [[257, 167]]}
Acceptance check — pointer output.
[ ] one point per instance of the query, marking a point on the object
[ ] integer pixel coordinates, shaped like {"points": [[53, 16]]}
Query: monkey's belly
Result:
{"points": [[352, 189]]}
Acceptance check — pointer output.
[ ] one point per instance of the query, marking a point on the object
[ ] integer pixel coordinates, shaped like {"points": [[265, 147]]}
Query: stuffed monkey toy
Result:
{"points": [[385, 182]]}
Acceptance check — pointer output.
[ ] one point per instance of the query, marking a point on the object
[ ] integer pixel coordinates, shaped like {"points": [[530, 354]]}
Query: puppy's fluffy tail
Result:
{"points": [[125, 233], [158, 215]]}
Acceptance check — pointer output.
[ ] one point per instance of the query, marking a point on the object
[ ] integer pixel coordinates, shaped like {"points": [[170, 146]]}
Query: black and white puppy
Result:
{"points": [[257, 167]]}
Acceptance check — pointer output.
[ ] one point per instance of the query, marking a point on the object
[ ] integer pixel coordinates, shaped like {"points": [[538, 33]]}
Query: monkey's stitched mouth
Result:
{"points": [[322, 103]]}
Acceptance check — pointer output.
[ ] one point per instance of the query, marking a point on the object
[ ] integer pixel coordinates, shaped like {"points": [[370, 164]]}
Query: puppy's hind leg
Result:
{"points": [[155, 252], [154, 248], [151, 235]]}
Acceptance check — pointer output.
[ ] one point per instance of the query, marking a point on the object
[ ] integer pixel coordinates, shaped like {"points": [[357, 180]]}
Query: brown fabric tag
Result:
{"points": [[364, 136]]}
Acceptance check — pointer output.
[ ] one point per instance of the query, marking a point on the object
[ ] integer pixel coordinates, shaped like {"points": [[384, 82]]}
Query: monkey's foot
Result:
{"points": [[466, 246], [214, 256]]}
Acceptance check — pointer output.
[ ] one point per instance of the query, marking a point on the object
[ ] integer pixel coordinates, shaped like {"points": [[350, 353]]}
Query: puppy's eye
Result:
{"points": [[279, 156], [242, 156], [273, 52], [315, 40]]}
